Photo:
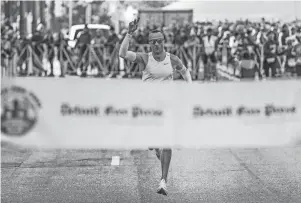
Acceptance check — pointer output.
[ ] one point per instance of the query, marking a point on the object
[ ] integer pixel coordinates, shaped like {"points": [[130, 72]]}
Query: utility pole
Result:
{"points": [[7, 10], [88, 13], [88, 10], [22, 9], [42, 12], [52, 16], [34, 16], [70, 13]]}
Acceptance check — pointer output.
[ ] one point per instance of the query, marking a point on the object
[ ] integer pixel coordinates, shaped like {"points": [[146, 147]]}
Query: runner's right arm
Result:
{"points": [[123, 51]]}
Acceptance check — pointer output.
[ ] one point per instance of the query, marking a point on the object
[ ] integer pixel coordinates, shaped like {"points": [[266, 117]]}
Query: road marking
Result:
{"points": [[115, 161]]}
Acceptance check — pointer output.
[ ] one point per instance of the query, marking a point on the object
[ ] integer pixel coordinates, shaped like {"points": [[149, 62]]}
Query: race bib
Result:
{"points": [[270, 60], [291, 62], [250, 49], [209, 50]]}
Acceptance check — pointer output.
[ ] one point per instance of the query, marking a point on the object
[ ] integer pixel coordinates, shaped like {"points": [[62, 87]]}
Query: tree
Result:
{"points": [[157, 4]]}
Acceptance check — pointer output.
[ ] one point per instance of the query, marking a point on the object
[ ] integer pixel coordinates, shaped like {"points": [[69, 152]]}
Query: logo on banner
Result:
{"points": [[135, 115], [19, 111], [134, 112], [268, 111]]}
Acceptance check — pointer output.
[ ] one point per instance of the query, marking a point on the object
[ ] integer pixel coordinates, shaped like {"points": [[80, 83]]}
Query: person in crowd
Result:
{"points": [[210, 43], [49, 41], [297, 50], [181, 37], [112, 39], [110, 45], [37, 45], [293, 37], [290, 58], [99, 38], [283, 35], [82, 44], [98, 42], [271, 52], [139, 38], [248, 67]]}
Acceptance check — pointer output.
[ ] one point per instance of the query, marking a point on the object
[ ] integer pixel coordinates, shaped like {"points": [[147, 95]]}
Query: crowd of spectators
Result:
{"points": [[235, 35]]}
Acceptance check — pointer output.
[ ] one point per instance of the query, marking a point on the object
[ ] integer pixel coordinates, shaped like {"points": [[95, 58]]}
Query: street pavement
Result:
{"points": [[196, 175]]}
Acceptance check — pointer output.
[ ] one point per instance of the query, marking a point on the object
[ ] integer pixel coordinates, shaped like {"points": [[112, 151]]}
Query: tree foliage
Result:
{"points": [[157, 4]]}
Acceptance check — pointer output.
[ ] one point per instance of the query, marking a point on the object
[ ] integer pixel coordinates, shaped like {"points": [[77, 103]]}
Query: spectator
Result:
{"points": [[99, 38], [169, 38], [248, 67], [180, 37], [49, 41], [192, 40], [271, 61], [82, 43], [293, 37], [112, 39], [140, 39], [290, 62], [210, 43], [297, 50], [99, 41], [37, 42], [111, 43]]}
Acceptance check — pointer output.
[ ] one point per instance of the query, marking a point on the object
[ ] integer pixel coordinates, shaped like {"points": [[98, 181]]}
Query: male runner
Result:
{"points": [[158, 65]]}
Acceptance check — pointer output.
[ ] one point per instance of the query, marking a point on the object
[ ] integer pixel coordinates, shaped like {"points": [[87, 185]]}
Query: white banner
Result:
{"points": [[90, 113]]}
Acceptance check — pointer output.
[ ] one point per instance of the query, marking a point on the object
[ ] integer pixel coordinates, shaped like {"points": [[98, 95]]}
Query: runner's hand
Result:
{"points": [[133, 26]]}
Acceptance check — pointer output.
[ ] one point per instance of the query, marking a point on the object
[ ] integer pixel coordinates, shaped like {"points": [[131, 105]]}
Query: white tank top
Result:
{"points": [[158, 71], [209, 45]]}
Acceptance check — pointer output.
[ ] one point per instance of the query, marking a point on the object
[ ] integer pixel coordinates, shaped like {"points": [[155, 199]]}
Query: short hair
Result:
{"points": [[155, 31], [270, 32], [246, 55]]}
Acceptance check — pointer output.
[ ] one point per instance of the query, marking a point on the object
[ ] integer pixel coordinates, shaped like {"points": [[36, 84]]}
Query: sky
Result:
{"points": [[233, 10], [282, 10]]}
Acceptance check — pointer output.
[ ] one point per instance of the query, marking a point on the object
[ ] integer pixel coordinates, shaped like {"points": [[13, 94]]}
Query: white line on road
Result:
{"points": [[115, 161]]}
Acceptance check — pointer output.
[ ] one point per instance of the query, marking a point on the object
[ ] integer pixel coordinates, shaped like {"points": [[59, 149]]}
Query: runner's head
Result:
{"points": [[156, 41], [209, 31], [271, 35]]}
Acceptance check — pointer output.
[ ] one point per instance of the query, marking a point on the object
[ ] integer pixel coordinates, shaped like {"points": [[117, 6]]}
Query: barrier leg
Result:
{"points": [[14, 63], [30, 63], [101, 68], [69, 61], [3, 67], [63, 65], [121, 67], [9, 67]]}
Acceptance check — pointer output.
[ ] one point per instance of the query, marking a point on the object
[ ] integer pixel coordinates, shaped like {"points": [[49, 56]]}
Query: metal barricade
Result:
{"points": [[32, 59]]}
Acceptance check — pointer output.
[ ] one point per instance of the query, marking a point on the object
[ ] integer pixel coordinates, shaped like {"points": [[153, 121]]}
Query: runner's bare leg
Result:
{"points": [[165, 162]]}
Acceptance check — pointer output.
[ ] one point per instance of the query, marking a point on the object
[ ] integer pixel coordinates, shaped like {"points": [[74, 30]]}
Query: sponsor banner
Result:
{"points": [[89, 113], [86, 114], [239, 114]]}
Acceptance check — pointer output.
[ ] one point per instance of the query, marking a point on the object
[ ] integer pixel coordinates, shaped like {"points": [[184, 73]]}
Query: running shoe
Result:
{"points": [[162, 189]]}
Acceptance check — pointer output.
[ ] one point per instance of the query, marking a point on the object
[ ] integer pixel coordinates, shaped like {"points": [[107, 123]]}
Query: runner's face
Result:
{"points": [[271, 37], [156, 41]]}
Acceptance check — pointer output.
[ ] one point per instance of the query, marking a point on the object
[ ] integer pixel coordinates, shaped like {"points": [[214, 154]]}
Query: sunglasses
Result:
{"points": [[160, 41]]}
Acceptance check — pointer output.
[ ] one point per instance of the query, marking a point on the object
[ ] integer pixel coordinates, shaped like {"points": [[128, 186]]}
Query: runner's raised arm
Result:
{"points": [[123, 51]]}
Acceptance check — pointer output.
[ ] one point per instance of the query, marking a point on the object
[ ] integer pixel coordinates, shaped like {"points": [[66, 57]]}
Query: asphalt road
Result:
{"points": [[196, 175]]}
